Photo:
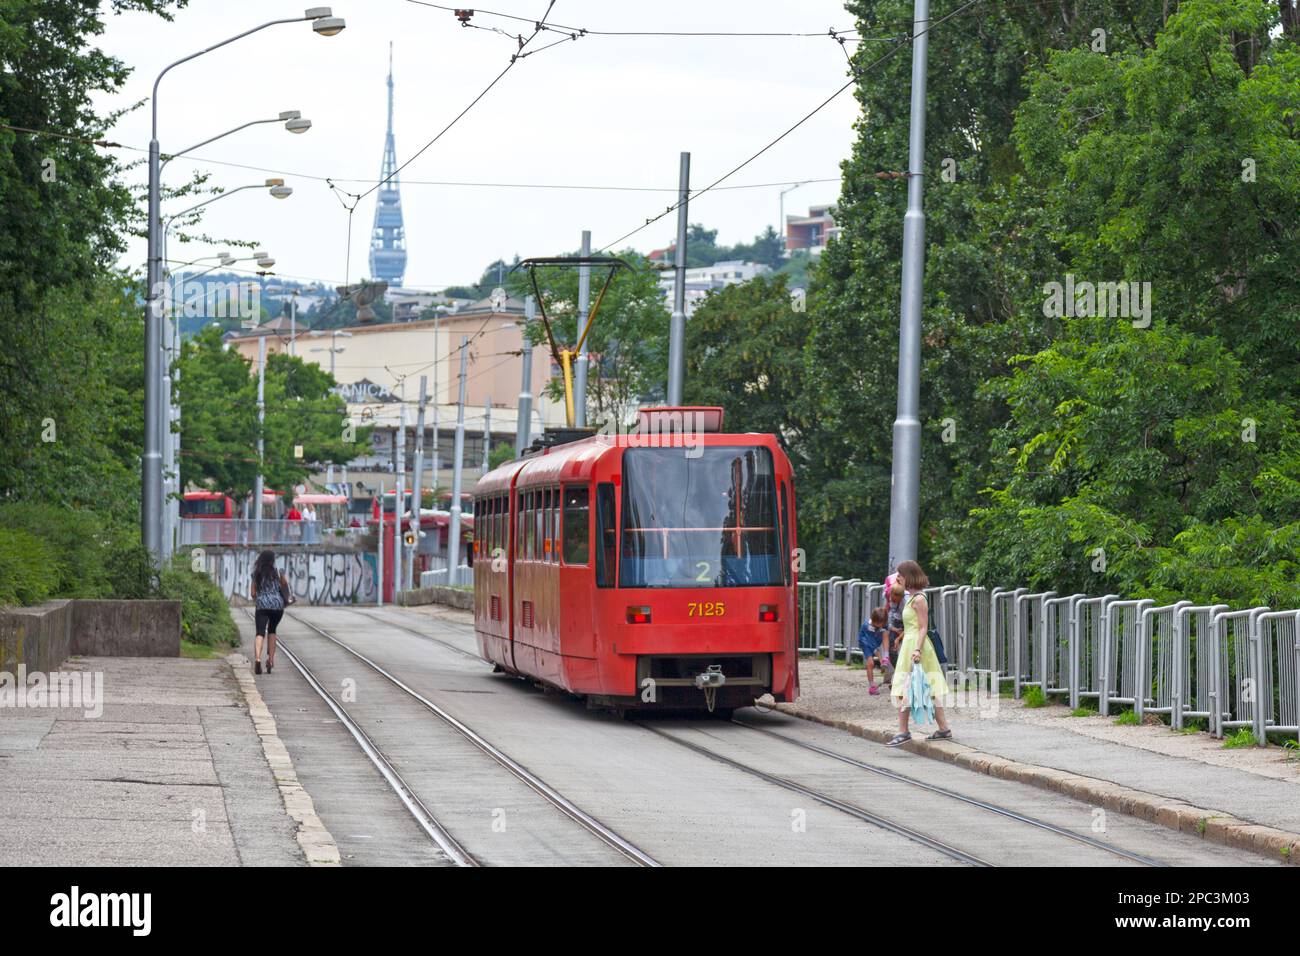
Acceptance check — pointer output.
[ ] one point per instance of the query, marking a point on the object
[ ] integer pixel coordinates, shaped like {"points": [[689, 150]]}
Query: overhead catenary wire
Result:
{"points": [[857, 75]]}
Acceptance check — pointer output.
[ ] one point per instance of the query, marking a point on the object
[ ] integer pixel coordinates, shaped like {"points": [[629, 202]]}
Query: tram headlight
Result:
{"points": [[767, 612], [638, 615]]}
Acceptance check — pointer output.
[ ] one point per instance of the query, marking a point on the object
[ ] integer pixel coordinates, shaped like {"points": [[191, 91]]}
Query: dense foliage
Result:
{"points": [[1093, 453]]}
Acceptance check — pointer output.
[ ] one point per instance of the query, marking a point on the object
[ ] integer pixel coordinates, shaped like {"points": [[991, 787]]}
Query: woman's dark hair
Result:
{"points": [[913, 576], [264, 568]]}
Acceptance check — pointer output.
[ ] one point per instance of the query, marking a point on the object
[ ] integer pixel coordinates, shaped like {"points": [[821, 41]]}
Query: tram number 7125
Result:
{"points": [[705, 609]]}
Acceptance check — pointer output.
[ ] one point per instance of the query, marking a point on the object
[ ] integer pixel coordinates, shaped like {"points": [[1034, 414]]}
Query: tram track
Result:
{"points": [[627, 849], [851, 809], [535, 783], [954, 795], [405, 793]]}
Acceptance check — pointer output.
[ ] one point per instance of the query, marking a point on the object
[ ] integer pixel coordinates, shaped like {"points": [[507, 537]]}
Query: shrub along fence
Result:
{"points": [[1230, 668]]}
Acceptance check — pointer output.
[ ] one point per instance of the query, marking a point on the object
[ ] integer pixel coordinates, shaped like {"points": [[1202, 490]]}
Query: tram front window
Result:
{"points": [[707, 521]]}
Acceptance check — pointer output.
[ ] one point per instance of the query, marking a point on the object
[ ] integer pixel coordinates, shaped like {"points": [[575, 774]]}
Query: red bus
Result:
{"points": [[207, 504], [639, 573]]}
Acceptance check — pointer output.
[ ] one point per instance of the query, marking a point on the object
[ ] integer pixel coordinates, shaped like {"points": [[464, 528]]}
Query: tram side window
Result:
{"points": [[786, 556], [577, 526], [503, 523], [540, 520], [519, 537], [553, 525], [543, 500], [530, 527], [545, 533], [525, 526], [606, 536], [553, 552]]}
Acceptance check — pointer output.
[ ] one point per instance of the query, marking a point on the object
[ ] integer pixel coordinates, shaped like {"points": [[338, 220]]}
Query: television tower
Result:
{"points": [[388, 238]]}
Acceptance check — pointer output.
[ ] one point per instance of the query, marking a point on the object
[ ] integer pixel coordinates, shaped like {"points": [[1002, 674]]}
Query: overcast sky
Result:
{"points": [[601, 110]]}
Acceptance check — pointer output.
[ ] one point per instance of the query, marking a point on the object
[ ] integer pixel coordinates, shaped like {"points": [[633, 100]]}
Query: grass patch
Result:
{"points": [[1245, 737], [1128, 719], [204, 652], [1292, 748], [1084, 712], [1201, 824], [1194, 726], [1034, 697]]}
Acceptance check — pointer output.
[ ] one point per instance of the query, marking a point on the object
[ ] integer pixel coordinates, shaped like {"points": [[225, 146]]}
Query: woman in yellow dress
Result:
{"points": [[917, 649]]}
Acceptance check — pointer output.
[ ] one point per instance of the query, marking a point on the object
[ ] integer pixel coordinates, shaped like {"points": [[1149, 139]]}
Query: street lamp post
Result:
{"points": [[904, 499], [151, 499], [333, 349]]}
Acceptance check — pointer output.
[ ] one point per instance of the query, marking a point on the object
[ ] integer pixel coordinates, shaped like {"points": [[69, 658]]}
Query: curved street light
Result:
{"points": [[292, 119], [151, 473]]}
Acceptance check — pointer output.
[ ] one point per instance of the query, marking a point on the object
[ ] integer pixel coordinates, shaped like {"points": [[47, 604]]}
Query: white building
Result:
{"points": [[702, 280]]}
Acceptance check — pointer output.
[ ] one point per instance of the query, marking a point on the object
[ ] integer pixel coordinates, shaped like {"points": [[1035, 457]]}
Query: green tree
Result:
{"points": [[217, 394], [628, 341], [744, 351], [71, 329]]}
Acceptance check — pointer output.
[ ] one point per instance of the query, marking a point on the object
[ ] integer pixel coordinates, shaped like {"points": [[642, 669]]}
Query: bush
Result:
{"points": [[205, 615], [76, 541], [130, 572], [26, 568], [1034, 697]]}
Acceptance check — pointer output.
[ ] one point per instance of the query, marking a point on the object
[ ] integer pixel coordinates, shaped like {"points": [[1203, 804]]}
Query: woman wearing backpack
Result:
{"points": [[270, 593]]}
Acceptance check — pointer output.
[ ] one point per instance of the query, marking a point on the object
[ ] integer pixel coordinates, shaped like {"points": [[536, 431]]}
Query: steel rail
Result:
{"points": [[826, 799], [972, 801], [536, 783], [423, 816]]}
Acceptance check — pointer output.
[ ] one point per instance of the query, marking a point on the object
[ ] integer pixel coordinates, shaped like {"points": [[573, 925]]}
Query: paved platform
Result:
{"points": [[173, 772], [1136, 768]]}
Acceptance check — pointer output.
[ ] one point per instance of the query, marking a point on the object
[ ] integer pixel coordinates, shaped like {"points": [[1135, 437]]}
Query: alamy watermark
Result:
{"points": [[1113, 300], [675, 428], [83, 690]]}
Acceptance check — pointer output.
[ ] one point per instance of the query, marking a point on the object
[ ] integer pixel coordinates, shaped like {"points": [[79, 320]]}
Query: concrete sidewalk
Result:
{"points": [[1247, 798], [173, 772]]}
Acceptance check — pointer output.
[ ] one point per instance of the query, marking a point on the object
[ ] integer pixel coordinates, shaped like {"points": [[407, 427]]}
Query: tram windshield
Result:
{"points": [[703, 521]]}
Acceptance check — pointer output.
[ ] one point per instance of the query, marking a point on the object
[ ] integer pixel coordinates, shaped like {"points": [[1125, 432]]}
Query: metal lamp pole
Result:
{"points": [[580, 369], [677, 324], [453, 539], [524, 415], [904, 502], [151, 498]]}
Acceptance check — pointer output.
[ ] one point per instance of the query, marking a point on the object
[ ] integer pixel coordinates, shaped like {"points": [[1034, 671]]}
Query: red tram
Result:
{"points": [[643, 570]]}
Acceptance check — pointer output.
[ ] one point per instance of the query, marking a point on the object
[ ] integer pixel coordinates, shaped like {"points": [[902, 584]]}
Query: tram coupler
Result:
{"points": [[710, 679]]}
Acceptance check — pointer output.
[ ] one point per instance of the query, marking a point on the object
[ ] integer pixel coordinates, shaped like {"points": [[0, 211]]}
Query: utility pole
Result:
{"points": [[584, 306], [399, 503], [487, 433], [417, 492], [434, 456], [293, 325], [261, 421], [524, 414], [379, 562], [904, 502], [677, 324], [453, 532]]}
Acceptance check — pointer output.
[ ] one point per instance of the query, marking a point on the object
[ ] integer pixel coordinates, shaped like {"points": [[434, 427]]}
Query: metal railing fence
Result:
{"points": [[1230, 668]]}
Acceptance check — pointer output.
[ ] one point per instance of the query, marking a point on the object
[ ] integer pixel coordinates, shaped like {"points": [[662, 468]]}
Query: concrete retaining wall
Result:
{"points": [[45, 636], [40, 637], [452, 597], [126, 628], [317, 575]]}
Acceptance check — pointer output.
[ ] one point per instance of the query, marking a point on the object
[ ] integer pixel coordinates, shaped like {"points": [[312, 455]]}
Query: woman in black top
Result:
{"points": [[270, 594]]}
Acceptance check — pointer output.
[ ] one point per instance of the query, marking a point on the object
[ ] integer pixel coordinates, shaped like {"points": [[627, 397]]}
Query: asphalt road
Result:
{"points": [[683, 792]]}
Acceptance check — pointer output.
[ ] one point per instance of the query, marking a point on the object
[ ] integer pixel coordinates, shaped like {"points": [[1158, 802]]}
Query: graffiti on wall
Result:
{"points": [[315, 577]]}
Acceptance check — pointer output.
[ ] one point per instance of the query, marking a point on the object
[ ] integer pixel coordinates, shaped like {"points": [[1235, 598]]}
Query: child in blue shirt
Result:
{"points": [[872, 638]]}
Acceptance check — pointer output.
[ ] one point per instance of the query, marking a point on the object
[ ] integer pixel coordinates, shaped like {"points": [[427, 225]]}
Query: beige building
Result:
{"points": [[378, 368]]}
